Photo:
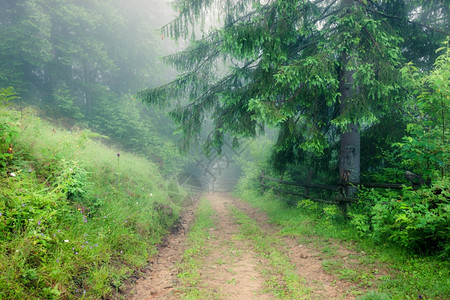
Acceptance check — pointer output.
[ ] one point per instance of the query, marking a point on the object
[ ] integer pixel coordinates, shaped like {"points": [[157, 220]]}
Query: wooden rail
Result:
{"points": [[306, 185], [301, 195], [394, 186], [335, 200]]}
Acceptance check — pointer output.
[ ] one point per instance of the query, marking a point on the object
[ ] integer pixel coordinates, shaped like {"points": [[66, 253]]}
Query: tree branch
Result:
{"points": [[406, 20]]}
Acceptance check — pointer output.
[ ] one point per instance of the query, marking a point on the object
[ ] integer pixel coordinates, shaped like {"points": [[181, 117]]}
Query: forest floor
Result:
{"points": [[243, 256]]}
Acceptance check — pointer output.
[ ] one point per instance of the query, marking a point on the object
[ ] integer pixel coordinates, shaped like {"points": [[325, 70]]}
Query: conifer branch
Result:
{"points": [[406, 20], [328, 7], [217, 86]]}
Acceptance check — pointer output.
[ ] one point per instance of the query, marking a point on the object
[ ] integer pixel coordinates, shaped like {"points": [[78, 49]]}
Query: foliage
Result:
{"points": [[254, 160], [417, 220], [79, 62], [393, 174], [74, 223], [75, 45], [138, 130], [65, 102], [72, 180], [286, 64], [427, 147], [8, 131], [6, 95]]}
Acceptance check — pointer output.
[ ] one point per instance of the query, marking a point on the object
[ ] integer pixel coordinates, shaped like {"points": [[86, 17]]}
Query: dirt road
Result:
{"points": [[247, 258]]}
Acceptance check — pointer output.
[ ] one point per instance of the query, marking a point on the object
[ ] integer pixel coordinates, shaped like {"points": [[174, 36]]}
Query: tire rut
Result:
{"points": [[159, 280], [232, 269], [306, 259]]}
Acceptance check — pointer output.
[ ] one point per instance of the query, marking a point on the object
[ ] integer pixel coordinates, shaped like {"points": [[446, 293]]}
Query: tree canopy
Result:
{"points": [[318, 71]]}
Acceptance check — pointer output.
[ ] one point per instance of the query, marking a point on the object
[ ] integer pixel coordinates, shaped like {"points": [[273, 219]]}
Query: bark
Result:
{"points": [[350, 143]]}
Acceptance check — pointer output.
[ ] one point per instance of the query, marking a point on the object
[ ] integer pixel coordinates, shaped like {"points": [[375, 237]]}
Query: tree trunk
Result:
{"points": [[87, 91], [349, 156]]}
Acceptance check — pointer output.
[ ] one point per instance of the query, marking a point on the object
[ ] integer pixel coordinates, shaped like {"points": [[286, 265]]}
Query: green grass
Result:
{"points": [[407, 275], [76, 220], [192, 260], [281, 277]]}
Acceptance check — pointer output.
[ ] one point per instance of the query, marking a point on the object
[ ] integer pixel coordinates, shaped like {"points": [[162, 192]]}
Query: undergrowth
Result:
{"points": [[76, 217]]}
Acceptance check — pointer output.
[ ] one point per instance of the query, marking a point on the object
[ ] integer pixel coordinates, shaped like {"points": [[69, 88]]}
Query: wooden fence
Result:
{"points": [[339, 198]]}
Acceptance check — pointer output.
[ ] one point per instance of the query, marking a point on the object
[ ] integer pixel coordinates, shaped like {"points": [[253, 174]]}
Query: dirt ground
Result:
{"points": [[160, 278], [232, 269]]}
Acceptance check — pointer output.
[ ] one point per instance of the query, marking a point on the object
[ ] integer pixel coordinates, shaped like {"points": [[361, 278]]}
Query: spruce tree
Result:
{"points": [[318, 71]]}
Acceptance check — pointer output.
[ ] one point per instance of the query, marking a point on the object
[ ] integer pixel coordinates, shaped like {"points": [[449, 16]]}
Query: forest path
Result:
{"points": [[160, 277], [245, 257]]}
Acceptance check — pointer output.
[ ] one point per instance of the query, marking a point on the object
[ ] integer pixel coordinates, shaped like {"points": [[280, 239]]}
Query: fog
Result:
{"points": [[80, 63]]}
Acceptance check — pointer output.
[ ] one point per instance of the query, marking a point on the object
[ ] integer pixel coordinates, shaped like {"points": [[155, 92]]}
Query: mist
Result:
{"points": [[224, 149], [81, 63]]}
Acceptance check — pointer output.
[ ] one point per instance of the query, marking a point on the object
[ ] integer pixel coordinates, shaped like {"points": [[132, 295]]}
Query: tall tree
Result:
{"points": [[24, 42], [319, 71]]}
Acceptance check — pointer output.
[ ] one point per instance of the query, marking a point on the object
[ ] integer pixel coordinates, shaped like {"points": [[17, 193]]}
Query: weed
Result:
{"points": [[73, 224]]}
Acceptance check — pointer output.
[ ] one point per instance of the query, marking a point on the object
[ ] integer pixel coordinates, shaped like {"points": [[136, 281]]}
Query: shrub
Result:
{"points": [[8, 132], [418, 220], [72, 180], [426, 149]]}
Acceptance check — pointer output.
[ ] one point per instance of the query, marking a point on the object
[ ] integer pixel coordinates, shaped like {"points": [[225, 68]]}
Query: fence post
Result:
{"points": [[279, 191], [261, 180], [309, 180]]}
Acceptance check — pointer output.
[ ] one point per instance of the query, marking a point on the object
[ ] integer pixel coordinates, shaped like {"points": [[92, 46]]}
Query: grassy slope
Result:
{"points": [[76, 220], [410, 277]]}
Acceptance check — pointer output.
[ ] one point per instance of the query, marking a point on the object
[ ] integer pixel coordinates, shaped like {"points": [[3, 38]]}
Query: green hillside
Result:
{"points": [[77, 218]]}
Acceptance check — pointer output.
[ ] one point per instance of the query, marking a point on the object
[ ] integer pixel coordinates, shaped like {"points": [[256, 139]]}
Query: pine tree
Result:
{"points": [[319, 71]]}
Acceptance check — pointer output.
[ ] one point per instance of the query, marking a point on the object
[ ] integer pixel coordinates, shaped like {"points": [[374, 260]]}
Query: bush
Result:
{"points": [[417, 220], [426, 150], [72, 180], [8, 132]]}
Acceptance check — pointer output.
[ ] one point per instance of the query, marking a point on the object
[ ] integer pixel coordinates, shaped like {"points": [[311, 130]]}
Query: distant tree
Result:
{"points": [[25, 31], [59, 50], [82, 60]]}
